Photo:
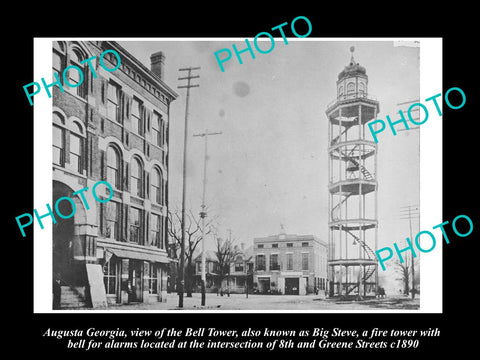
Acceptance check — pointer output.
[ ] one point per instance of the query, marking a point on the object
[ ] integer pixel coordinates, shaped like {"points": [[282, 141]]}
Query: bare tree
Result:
{"points": [[226, 253], [193, 237], [404, 270]]}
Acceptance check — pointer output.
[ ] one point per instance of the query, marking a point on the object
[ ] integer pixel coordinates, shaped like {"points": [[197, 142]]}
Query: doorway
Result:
{"points": [[292, 286], [135, 291], [263, 285], [63, 268]]}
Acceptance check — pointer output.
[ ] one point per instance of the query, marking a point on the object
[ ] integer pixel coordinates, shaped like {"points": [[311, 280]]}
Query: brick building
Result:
{"points": [[112, 126], [290, 264]]}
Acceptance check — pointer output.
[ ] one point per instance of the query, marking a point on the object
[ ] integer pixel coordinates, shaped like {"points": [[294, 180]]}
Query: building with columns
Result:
{"points": [[110, 126]]}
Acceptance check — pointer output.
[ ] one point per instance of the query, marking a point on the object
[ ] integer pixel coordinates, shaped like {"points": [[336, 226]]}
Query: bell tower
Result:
{"points": [[352, 171]]}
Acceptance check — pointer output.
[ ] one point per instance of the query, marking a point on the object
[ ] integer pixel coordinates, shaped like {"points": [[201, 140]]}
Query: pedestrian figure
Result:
{"points": [[381, 292], [57, 292]]}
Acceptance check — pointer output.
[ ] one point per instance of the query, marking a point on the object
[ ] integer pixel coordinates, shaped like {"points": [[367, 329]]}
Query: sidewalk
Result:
{"points": [[274, 302]]}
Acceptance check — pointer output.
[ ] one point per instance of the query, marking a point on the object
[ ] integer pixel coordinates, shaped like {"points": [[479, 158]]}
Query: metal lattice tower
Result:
{"points": [[352, 169]]}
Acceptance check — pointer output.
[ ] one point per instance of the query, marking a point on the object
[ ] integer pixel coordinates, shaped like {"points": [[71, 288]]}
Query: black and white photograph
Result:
{"points": [[249, 183]]}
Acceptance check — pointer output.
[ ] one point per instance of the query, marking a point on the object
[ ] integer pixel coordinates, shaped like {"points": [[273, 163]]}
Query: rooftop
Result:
{"points": [[353, 68]]}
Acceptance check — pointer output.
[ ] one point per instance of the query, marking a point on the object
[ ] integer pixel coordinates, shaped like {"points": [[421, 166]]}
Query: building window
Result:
{"points": [[136, 225], [157, 186], [304, 244], [156, 230], [113, 167], [137, 178], [274, 262], [274, 246], [58, 145], [239, 267], [109, 276], [289, 244], [112, 220], [361, 89], [305, 261], [76, 80], [350, 89], [76, 149], [112, 102], [289, 261], [157, 129], [137, 117], [153, 279], [340, 92], [57, 63], [260, 246], [260, 261]]}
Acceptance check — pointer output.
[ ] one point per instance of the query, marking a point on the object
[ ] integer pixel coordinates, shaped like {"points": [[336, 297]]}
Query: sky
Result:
{"points": [[269, 165]]}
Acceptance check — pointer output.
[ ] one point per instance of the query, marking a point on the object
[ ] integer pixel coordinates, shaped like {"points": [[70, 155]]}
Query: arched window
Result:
{"points": [[350, 89], [75, 75], [58, 140], [58, 61], [113, 167], [340, 92], [157, 186], [361, 89], [136, 177]]}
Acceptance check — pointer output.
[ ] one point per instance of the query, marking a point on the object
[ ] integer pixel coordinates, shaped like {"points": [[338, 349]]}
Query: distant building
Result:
{"points": [[290, 264], [240, 276], [111, 126]]}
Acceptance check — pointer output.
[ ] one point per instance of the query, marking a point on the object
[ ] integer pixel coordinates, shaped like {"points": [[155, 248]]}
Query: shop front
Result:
{"points": [[132, 276]]}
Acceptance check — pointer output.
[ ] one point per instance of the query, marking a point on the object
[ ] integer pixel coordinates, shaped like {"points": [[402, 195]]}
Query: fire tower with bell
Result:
{"points": [[352, 169]]}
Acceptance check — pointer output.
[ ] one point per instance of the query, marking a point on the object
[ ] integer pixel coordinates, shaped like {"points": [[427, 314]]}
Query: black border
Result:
{"points": [[459, 165]]}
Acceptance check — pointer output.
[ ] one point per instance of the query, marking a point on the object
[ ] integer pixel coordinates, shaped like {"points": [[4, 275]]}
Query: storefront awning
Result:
{"points": [[138, 255]]}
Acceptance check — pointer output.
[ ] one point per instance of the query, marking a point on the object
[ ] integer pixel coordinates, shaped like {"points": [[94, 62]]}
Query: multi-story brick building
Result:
{"points": [[290, 264], [112, 126]]}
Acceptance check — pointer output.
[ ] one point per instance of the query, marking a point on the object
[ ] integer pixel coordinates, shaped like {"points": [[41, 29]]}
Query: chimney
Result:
{"points": [[157, 63]]}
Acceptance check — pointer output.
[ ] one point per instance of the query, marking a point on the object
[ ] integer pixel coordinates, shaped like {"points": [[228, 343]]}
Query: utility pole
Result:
{"points": [[203, 212], [182, 245], [408, 209], [407, 214]]}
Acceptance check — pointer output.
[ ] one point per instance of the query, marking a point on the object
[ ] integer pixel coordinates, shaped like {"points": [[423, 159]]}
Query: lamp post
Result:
{"points": [[203, 212]]}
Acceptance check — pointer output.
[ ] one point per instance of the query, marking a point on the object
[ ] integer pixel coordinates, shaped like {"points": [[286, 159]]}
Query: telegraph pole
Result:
{"points": [[407, 214], [203, 212], [408, 209], [182, 245]]}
